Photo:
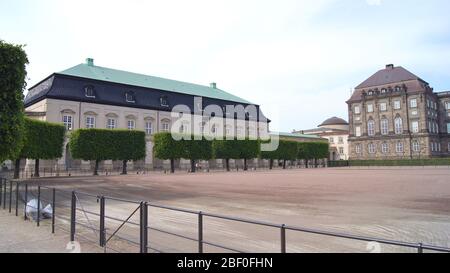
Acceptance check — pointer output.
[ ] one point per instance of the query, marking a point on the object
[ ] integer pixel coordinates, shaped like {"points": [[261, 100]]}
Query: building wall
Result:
{"points": [[428, 114], [55, 110]]}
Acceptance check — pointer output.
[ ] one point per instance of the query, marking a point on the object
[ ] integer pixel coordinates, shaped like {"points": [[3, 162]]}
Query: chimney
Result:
{"points": [[213, 85], [90, 62], [389, 66]]}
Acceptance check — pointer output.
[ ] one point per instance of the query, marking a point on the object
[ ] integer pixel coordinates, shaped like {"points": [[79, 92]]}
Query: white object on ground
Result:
{"points": [[31, 209]]}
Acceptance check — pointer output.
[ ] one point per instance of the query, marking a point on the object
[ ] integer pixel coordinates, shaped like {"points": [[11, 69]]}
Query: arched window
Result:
{"points": [[385, 148], [384, 126], [416, 146], [371, 128], [372, 148], [398, 126]]}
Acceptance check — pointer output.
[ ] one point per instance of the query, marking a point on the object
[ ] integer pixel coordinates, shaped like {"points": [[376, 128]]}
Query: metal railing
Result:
{"points": [[11, 193]]}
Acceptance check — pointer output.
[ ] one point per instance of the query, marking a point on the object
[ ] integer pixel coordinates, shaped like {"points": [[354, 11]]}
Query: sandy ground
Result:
{"points": [[411, 204]]}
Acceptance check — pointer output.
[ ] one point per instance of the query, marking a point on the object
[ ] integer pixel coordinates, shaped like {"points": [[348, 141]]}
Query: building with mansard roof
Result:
{"points": [[90, 96], [395, 114]]}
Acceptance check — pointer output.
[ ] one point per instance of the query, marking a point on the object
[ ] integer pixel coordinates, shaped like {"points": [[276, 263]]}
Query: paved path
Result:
{"points": [[19, 236]]}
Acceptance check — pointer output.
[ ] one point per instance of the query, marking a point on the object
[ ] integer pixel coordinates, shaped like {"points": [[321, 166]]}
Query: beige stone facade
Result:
{"points": [[396, 115]]}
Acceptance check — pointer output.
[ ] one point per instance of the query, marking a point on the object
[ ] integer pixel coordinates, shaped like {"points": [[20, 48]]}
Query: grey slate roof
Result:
{"points": [[387, 76]]}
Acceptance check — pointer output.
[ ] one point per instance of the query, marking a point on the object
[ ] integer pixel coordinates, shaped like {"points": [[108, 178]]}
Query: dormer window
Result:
{"points": [[130, 97], [398, 89], [370, 93], [164, 102], [89, 91], [383, 91]]}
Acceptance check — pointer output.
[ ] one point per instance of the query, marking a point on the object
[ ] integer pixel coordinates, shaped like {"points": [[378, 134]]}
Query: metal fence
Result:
{"points": [[70, 215]]}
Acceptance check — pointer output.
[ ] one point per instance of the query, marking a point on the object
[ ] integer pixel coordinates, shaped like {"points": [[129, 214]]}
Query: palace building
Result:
{"points": [[90, 96], [394, 114], [335, 130]]}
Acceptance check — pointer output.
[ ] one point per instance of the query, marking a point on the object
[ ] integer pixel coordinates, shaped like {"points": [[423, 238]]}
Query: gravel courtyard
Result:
{"points": [[408, 204]]}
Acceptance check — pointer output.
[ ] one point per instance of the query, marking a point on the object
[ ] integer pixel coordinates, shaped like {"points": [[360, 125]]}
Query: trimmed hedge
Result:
{"points": [[13, 61], [225, 149], [42, 140], [389, 163], [102, 144], [287, 150], [167, 148], [197, 150]]}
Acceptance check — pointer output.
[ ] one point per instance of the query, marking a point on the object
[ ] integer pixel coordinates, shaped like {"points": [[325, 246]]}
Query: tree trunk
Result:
{"points": [[17, 169], [96, 167], [36, 168], [193, 167], [315, 163], [227, 163], [172, 166], [124, 167], [306, 163], [284, 164], [271, 164], [245, 164]]}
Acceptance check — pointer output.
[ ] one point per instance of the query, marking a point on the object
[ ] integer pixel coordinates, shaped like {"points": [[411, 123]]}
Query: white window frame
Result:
{"points": [[68, 122], [397, 105], [111, 123], [413, 103], [398, 122], [90, 122], [371, 127], [369, 108], [357, 110], [384, 127], [358, 132], [148, 127], [372, 148], [385, 148], [358, 148], [165, 127], [131, 124], [448, 127], [332, 140], [399, 147], [416, 146], [415, 127], [383, 107], [340, 140]]}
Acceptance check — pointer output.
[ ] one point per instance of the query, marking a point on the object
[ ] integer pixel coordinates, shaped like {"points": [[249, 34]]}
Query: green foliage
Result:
{"points": [[312, 150], [13, 61], [166, 147], [197, 149], [399, 162], [287, 150], [102, 144], [247, 149], [129, 145], [43, 140], [225, 149]]}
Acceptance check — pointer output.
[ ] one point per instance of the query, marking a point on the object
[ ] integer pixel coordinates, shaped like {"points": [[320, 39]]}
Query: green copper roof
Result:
{"points": [[91, 71], [292, 135]]}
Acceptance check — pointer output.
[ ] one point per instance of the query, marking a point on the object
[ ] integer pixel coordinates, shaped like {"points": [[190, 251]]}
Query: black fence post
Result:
{"points": [[17, 198], [4, 195], [420, 248], [102, 222], [10, 195], [73, 208], [53, 209], [39, 206], [144, 224], [1, 189], [200, 232], [283, 238], [25, 202]]}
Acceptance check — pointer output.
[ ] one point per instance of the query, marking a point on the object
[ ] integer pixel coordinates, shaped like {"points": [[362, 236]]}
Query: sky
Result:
{"points": [[299, 60]]}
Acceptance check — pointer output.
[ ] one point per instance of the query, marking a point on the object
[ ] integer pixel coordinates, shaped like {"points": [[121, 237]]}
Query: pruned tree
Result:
{"points": [[93, 144], [13, 61], [226, 150], [197, 150], [42, 140], [128, 145], [248, 149], [167, 148]]}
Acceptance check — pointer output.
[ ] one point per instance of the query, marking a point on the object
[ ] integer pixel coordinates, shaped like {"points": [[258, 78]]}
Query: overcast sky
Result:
{"points": [[298, 59]]}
